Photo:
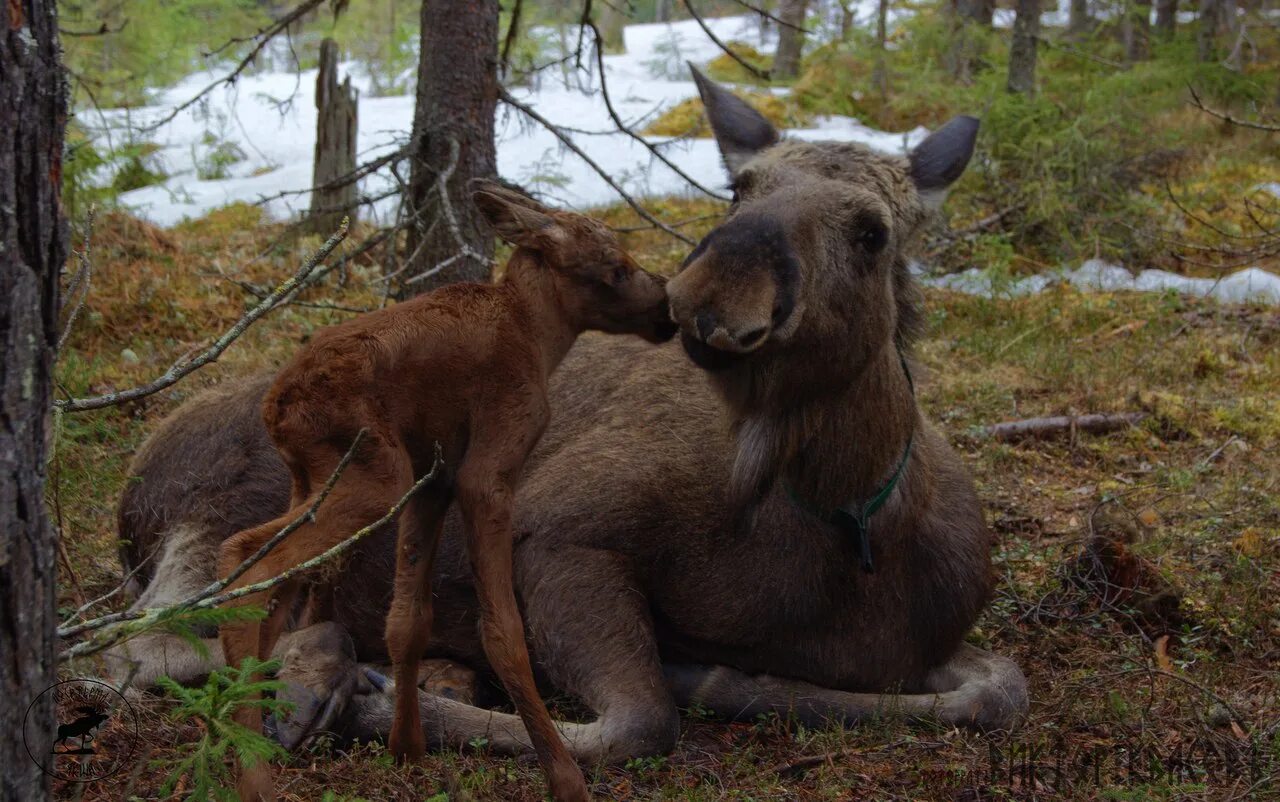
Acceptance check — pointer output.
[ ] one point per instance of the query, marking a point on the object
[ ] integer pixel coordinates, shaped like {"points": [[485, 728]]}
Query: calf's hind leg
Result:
{"points": [[408, 627], [485, 497]]}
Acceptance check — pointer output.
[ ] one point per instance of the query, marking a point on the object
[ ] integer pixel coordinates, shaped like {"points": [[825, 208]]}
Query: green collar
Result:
{"points": [[854, 518]]}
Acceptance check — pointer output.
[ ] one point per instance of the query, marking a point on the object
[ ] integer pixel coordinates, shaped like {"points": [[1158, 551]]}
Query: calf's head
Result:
{"points": [[600, 286], [812, 258]]}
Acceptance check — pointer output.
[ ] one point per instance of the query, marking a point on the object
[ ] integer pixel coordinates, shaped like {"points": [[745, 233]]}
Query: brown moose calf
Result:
{"points": [[465, 367]]}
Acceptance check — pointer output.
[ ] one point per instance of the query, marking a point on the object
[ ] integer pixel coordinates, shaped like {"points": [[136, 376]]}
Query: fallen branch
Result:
{"points": [[800, 765], [568, 142], [281, 295], [1199, 104], [1040, 428], [147, 618]]}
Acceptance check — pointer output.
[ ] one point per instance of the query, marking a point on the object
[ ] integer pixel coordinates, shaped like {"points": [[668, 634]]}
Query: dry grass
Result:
{"points": [[1183, 507]]}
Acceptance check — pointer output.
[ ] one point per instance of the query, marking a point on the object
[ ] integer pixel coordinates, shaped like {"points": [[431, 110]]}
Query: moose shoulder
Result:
{"points": [[676, 542]]}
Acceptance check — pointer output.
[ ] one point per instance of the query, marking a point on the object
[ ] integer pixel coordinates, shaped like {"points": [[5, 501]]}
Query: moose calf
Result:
{"points": [[465, 367]]}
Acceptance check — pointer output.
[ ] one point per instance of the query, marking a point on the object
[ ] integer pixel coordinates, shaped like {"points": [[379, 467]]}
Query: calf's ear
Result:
{"points": [[740, 131], [517, 219], [940, 159]]}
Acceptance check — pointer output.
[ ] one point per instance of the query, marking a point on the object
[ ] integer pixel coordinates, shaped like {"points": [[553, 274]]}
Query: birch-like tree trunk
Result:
{"points": [[33, 247]]}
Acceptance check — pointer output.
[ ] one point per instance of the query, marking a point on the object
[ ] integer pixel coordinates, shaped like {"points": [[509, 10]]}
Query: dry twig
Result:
{"points": [[1041, 428], [281, 295]]}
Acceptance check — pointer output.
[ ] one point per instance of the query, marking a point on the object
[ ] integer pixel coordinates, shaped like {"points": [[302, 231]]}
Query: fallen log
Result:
{"points": [[1033, 428]]}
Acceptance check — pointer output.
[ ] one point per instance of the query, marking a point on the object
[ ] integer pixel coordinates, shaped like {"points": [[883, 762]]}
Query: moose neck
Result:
{"points": [[534, 286], [832, 446]]}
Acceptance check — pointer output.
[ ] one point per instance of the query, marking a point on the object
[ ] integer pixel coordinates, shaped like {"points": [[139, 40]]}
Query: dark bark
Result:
{"points": [[1078, 20], [1137, 30], [1166, 17], [456, 99], [335, 159], [33, 237], [786, 63], [662, 11], [880, 73], [1022, 53], [979, 11]]}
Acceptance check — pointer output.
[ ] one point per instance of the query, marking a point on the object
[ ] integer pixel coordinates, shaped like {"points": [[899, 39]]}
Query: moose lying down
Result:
{"points": [[450, 386], [643, 583]]}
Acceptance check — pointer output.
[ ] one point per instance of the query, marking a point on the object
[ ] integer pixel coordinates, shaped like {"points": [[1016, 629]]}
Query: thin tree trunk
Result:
{"points": [[33, 247], [1078, 20], [880, 73], [1137, 30], [979, 11], [1022, 53], [610, 21], [1166, 18], [335, 158], [786, 64], [456, 100], [662, 11], [1207, 29], [846, 20]]}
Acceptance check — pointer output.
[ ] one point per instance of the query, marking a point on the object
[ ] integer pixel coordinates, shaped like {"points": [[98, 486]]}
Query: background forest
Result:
{"points": [[1112, 249]]}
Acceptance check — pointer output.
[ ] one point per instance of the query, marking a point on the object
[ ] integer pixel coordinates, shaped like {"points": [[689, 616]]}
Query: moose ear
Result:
{"points": [[941, 158], [740, 131], [517, 218]]}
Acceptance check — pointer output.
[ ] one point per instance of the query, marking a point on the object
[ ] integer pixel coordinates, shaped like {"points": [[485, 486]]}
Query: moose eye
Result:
{"points": [[618, 276], [872, 235]]}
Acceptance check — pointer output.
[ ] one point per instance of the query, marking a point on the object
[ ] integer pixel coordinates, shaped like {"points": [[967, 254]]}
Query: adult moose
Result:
{"points": [[674, 536]]}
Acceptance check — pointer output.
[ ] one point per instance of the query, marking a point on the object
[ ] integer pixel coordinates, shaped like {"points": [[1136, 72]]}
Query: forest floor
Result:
{"points": [[1139, 571]]}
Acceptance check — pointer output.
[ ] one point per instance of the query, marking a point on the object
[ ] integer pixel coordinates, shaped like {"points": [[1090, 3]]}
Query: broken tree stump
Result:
{"points": [[335, 189]]}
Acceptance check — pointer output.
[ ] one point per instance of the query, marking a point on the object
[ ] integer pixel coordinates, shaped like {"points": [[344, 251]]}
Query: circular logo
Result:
{"points": [[84, 709]]}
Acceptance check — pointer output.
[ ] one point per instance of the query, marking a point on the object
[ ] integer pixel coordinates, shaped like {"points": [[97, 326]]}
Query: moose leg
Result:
{"points": [[975, 688], [593, 633], [408, 626], [485, 501]]}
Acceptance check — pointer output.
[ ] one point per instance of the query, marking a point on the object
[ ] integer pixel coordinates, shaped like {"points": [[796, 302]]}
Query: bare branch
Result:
{"points": [[150, 617], [262, 37], [764, 12], [507, 98], [748, 66], [280, 295], [101, 30], [80, 281], [1199, 104], [617, 120]]}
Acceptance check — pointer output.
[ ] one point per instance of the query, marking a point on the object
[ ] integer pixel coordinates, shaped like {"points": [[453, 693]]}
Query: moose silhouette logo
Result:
{"points": [[94, 732]]}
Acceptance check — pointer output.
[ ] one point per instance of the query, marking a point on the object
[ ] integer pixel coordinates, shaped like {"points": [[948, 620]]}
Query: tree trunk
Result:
{"points": [[456, 100], [610, 20], [1207, 29], [979, 11], [1137, 30], [662, 11], [1078, 20], [1022, 53], [335, 160], [33, 247], [786, 64], [1166, 18], [880, 73], [846, 20]]}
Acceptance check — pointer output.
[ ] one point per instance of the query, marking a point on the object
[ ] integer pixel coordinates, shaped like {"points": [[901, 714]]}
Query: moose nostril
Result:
{"points": [[706, 324], [747, 339]]}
